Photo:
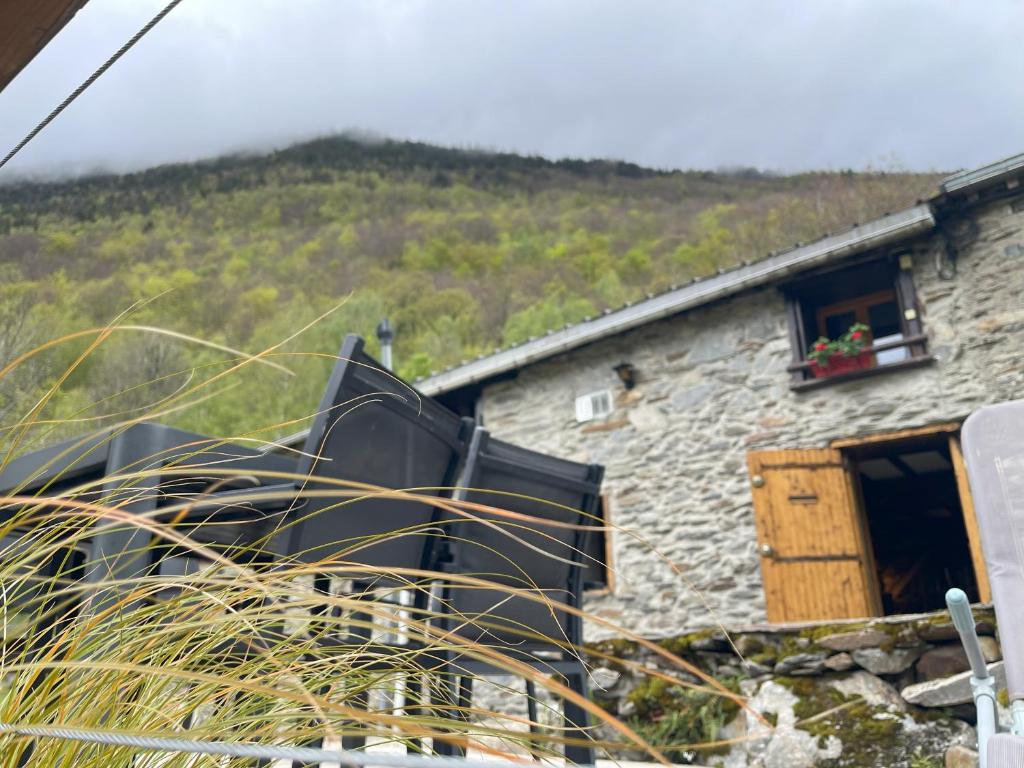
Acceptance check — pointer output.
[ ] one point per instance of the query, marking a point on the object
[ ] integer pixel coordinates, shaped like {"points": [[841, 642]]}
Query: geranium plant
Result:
{"points": [[850, 344]]}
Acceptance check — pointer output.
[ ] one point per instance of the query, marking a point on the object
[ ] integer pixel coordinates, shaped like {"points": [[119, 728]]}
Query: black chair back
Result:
{"points": [[374, 428], [526, 554]]}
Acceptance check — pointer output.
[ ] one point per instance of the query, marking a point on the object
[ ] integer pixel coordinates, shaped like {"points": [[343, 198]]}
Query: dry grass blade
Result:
{"points": [[192, 627]]}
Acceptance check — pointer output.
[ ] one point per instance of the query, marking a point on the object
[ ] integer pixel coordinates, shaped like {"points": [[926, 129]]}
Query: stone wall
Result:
{"points": [[890, 692], [712, 385]]}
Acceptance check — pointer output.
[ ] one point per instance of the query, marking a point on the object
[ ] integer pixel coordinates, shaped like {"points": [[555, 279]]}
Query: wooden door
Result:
{"points": [[816, 560]]}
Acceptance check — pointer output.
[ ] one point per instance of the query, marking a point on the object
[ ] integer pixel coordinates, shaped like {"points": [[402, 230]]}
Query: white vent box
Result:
{"points": [[593, 405]]}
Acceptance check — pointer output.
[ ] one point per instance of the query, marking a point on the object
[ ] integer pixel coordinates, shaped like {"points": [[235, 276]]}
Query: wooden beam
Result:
{"points": [[900, 434], [26, 26], [970, 520]]}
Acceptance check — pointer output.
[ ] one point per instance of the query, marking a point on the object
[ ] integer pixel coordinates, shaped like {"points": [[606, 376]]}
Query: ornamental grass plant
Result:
{"points": [[232, 649]]}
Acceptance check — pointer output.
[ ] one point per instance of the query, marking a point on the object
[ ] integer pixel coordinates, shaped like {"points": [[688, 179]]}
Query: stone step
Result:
{"points": [[949, 691]]}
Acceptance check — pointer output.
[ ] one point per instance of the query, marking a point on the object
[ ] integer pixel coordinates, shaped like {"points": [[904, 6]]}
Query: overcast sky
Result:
{"points": [[670, 83]]}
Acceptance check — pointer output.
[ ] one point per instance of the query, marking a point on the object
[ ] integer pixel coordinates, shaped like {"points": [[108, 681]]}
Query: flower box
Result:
{"points": [[840, 363]]}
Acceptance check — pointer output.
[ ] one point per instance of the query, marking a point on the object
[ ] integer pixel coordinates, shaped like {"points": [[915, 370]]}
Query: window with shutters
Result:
{"points": [[877, 295]]}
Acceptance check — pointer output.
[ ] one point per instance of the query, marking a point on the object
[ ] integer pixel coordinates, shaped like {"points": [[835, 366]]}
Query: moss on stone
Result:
{"points": [[790, 645], [813, 698], [670, 716], [681, 644], [870, 734], [824, 630], [767, 656], [617, 647]]}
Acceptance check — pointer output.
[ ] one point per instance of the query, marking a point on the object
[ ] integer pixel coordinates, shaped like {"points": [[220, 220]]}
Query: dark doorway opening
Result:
{"points": [[915, 521]]}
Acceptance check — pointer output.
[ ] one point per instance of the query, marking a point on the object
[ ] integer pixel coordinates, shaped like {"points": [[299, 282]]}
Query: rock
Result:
{"points": [[959, 756], [692, 397], [604, 679], [853, 641], [945, 661], [875, 729], [710, 346], [985, 627], [879, 662], [794, 748], [749, 644], [753, 669], [937, 633], [840, 662], [907, 638], [716, 643], [787, 746], [875, 692], [802, 664], [626, 708], [950, 690], [990, 649]]}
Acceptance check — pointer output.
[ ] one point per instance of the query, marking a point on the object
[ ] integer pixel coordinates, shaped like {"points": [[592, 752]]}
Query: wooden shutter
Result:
{"points": [[816, 559], [970, 520]]}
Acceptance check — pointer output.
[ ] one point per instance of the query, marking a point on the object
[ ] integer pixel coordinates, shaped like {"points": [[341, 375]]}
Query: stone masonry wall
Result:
{"points": [[712, 385], [890, 692]]}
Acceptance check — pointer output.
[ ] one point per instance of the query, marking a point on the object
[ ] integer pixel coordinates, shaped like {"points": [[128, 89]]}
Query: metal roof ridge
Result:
{"points": [[963, 180], [695, 293]]}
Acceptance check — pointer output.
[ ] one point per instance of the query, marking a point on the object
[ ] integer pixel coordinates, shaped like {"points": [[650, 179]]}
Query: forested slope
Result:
{"points": [[464, 251]]}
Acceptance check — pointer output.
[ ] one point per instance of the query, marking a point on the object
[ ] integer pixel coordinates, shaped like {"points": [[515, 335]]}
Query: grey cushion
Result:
{"points": [[993, 443], [1005, 751]]}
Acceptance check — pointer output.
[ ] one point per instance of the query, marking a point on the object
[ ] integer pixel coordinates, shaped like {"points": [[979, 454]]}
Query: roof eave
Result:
{"points": [[887, 229], [969, 181], [32, 26]]}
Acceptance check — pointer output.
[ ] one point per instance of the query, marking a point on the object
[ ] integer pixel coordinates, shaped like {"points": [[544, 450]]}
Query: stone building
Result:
{"points": [[783, 493]]}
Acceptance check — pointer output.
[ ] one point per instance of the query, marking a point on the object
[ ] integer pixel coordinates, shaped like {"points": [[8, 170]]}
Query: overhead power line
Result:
{"points": [[90, 80]]}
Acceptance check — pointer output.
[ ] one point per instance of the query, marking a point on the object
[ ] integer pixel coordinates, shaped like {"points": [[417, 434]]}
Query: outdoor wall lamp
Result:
{"points": [[626, 373]]}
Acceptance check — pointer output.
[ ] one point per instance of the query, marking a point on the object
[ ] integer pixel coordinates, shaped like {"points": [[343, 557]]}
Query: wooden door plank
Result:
{"points": [[805, 509], [970, 520]]}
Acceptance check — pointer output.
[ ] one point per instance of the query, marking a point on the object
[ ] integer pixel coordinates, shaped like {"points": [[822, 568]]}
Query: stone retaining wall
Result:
{"points": [[890, 692]]}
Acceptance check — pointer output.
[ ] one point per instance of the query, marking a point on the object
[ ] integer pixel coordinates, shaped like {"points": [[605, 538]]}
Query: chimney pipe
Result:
{"points": [[385, 335]]}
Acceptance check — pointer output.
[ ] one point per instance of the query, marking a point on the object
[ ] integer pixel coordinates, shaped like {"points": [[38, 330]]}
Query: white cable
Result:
{"points": [[353, 759]]}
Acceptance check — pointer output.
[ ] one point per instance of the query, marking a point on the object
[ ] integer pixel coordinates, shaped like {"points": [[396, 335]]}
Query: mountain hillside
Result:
{"points": [[463, 251]]}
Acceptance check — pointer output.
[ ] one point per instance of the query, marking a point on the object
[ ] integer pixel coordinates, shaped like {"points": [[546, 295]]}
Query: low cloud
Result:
{"points": [[779, 86]]}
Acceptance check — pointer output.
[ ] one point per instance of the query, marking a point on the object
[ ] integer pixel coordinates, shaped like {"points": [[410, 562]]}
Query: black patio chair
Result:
{"points": [[136, 468], [373, 428], [527, 555]]}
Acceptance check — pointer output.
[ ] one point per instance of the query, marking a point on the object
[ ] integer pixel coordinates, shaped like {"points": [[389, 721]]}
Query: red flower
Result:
{"points": [[821, 347], [856, 335]]}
